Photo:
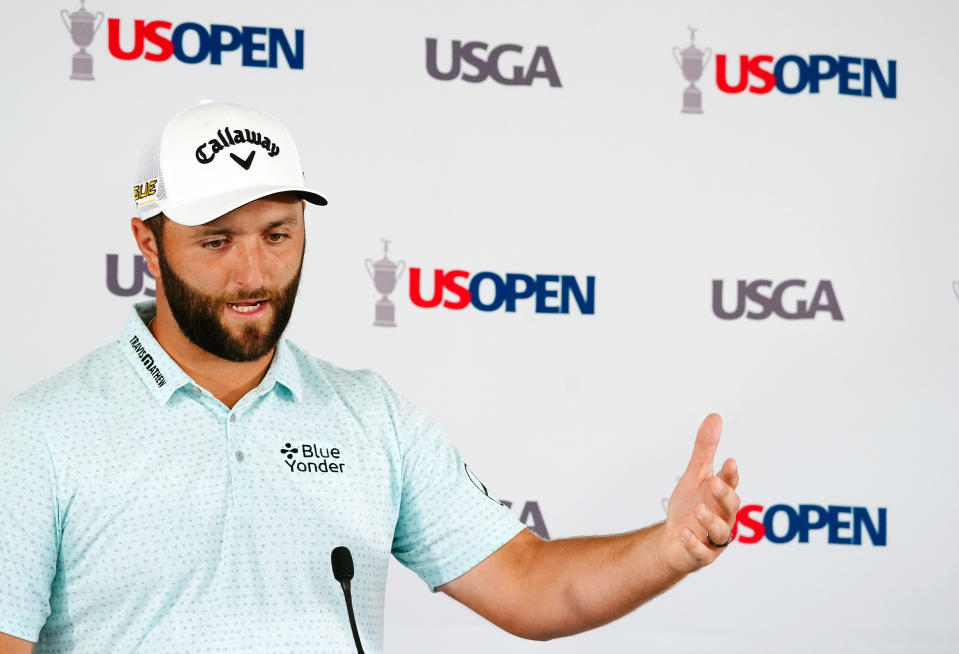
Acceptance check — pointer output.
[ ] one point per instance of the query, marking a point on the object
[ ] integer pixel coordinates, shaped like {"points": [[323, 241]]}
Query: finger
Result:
{"points": [[715, 526], [702, 554], [730, 473], [726, 498], [707, 440]]}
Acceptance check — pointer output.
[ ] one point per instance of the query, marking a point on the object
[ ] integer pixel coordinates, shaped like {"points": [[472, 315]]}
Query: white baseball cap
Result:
{"points": [[214, 157]]}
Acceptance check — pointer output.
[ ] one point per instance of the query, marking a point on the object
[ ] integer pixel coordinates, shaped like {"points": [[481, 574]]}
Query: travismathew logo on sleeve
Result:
{"points": [[227, 138], [326, 459], [147, 361], [480, 485]]}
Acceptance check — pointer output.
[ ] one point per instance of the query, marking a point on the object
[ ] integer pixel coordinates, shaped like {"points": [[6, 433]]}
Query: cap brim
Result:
{"points": [[203, 211]]}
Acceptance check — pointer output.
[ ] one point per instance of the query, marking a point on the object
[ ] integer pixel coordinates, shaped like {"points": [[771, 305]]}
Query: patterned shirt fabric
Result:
{"points": [[139, 513]]}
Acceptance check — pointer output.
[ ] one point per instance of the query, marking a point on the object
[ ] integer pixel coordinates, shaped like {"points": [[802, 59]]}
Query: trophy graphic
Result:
{"points": [[692, 63], [385, 274], [81, 27]]}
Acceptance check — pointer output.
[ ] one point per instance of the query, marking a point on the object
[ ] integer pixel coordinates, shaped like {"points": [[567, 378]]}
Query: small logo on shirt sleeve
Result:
{"points": [[476, 482]]}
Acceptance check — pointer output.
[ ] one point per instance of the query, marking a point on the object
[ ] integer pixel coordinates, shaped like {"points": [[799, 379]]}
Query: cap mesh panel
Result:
{"points": [[148, 169]]}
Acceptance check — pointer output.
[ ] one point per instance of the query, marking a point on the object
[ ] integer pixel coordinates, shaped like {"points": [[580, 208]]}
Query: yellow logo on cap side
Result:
{"points": [[144, 190]]}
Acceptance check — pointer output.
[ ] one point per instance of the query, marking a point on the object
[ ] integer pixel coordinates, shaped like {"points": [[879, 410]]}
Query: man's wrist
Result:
{"points": [[662, 548]]}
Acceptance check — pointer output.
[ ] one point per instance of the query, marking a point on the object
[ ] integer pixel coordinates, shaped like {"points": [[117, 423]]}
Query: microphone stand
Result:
{"points": [[342, 562]]}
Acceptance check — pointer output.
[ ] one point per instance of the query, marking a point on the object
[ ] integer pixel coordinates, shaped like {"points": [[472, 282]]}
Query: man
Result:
{"points": [[181, 489]]}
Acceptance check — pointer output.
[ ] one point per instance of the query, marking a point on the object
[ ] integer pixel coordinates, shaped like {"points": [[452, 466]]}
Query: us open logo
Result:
{"points": [[789, 74], [160, 40], [485, 291]]}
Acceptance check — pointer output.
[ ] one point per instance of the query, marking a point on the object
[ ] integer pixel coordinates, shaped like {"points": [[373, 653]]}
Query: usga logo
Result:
{"points": [[770, 299], [531, 516], [483, 64]]}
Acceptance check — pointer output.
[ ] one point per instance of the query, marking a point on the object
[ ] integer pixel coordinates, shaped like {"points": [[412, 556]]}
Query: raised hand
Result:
{"points": [[702, 503]]}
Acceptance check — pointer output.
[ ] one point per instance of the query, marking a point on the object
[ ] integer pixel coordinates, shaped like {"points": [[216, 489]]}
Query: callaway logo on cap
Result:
{"points": [[214, 157]]}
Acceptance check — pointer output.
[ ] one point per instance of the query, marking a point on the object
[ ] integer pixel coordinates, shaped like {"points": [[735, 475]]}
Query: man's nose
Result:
{"points": [[250, 265]]}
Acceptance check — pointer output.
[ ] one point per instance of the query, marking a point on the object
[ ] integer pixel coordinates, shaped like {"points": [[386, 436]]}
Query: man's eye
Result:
{"points": [[215, 245], [276, 237]]}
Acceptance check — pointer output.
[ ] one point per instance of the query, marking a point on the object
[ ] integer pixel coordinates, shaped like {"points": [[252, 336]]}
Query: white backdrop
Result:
{"points": [[591, 417]]}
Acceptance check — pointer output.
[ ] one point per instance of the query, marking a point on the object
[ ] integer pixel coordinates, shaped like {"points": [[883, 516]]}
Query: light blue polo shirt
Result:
{"points": [[138, 513]]}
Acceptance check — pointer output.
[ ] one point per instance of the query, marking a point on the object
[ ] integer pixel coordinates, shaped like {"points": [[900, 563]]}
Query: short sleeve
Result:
{"points": [[29, 524], [447, 521]]}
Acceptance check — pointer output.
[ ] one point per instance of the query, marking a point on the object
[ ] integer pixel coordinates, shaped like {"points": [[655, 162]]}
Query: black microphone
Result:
{"points": [[342, 562]]}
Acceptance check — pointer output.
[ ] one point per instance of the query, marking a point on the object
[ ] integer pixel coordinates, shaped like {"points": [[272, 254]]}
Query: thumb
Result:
{"points": [[704, 450]]}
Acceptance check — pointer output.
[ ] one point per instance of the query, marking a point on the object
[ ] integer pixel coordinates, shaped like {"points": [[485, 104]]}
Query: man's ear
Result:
{"points": [[147, 244]]}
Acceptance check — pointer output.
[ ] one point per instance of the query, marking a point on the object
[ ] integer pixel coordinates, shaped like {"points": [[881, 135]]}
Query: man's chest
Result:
{"points": [[216, 499]]}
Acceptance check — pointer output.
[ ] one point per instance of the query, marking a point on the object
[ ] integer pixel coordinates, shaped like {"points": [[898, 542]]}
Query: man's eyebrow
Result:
{"points": [[218, 231], [289, 220], [226, 231]]}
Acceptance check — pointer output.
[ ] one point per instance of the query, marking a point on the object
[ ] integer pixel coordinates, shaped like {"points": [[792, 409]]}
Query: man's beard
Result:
{"points": [[198, 316]]}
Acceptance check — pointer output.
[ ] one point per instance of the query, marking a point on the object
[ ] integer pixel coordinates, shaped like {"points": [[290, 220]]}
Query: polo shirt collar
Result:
{"points": [[284, 371], [163, 377]]}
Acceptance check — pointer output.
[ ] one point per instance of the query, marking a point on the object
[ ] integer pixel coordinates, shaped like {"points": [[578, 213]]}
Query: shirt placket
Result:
{"points": [[234, 445], [240, 450], [238, 459]]}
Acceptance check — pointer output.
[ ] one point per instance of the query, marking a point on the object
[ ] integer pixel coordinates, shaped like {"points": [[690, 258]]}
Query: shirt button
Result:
{"points": [[239, 455], [196, 390], [232, 417]]}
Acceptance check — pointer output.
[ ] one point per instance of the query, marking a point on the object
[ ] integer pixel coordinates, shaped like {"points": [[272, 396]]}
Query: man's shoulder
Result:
{"points": [[320, 374], [89, 377], [363, 393]]}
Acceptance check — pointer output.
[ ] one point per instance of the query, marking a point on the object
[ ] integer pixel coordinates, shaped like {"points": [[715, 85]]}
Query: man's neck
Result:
{"points": [[227, 381]]}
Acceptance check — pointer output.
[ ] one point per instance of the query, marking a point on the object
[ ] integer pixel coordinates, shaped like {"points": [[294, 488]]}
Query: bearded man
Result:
{"points": [[180, 489]]}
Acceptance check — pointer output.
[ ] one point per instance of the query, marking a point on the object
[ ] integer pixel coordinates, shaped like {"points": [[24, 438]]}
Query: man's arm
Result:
{"points": [[545, 589], [29, 524], [12, 645]]}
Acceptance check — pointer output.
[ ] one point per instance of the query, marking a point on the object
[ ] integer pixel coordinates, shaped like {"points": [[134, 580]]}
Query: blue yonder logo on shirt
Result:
{"points": [[329, 458]]}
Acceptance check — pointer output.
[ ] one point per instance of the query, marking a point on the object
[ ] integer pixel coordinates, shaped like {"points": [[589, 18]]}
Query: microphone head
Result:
{"points": [[342, 562]]}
